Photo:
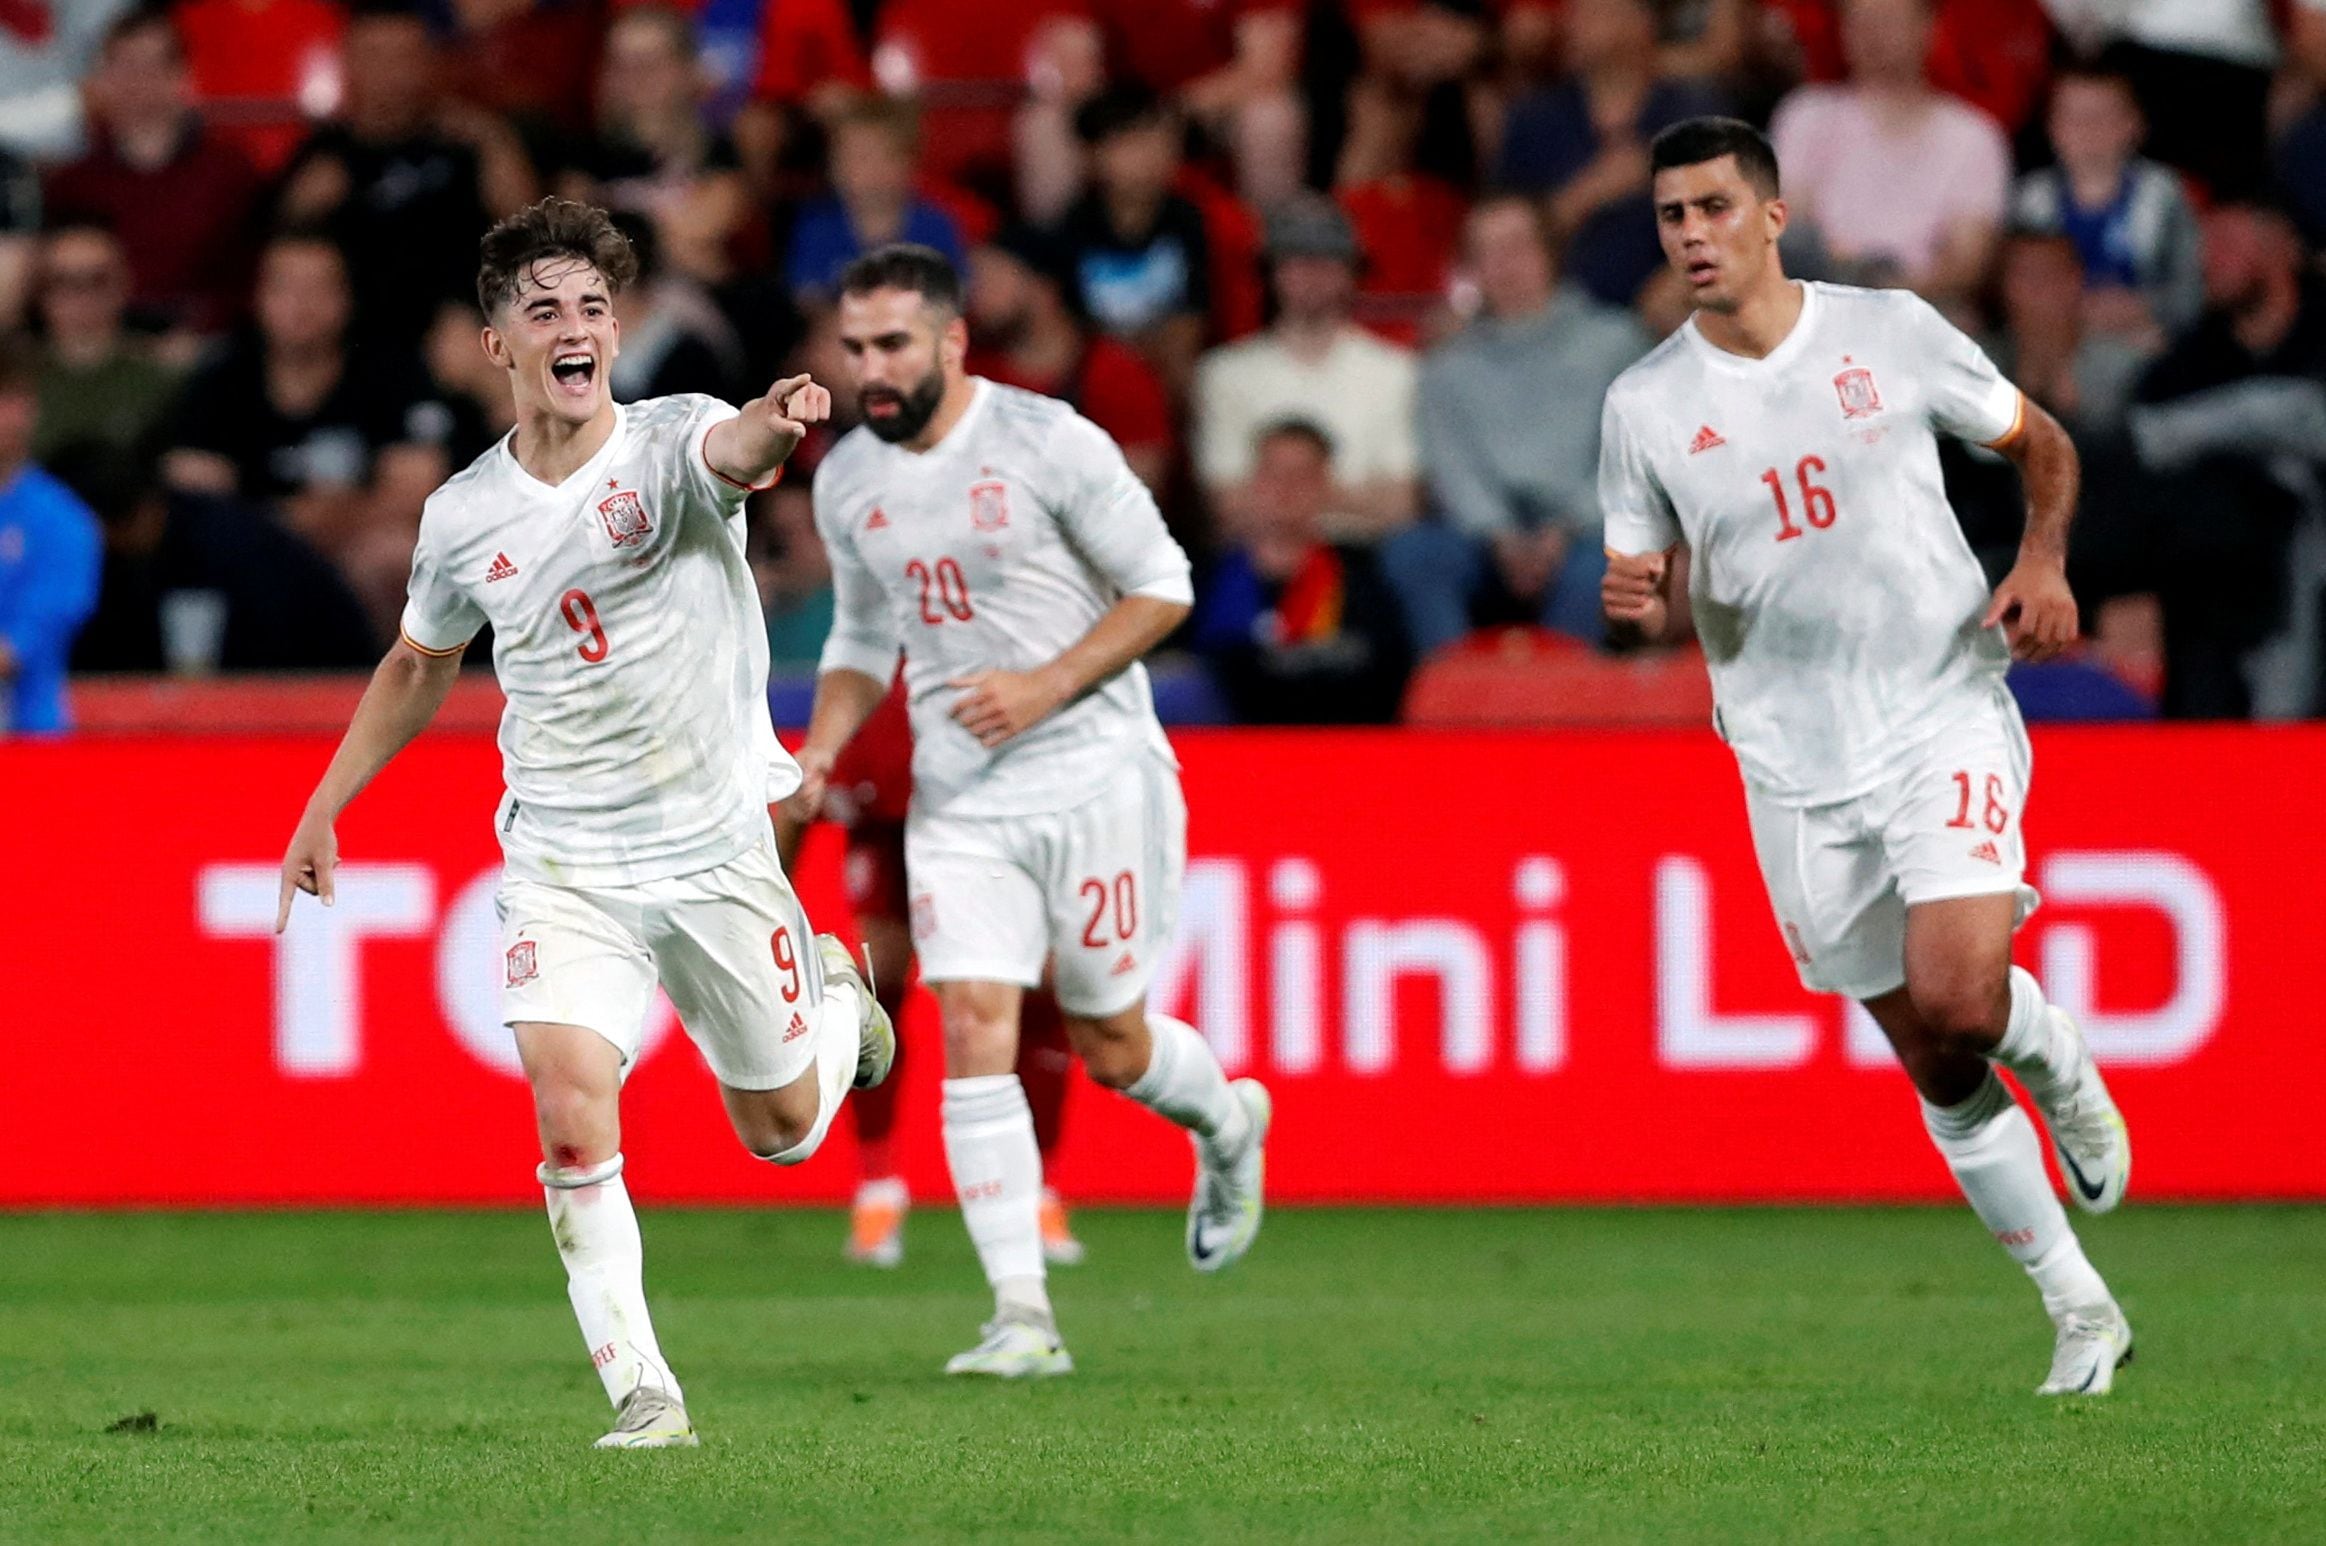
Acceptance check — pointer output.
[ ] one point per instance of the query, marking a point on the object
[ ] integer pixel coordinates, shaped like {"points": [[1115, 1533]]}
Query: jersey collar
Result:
{"points": [[581, 475], [1776, 359]]}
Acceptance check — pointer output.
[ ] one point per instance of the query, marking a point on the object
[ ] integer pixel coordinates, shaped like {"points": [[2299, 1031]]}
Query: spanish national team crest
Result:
{"points": [[522, 966], [989, 506], [1856, 389], [625, 517]]}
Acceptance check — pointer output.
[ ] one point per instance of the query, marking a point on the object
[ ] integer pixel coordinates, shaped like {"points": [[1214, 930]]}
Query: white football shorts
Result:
{"points": [[1094, 888], [730, 945], [1841, 876]]}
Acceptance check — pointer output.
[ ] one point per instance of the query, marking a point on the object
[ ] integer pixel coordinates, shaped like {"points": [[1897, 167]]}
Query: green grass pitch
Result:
{"points": [[1364, 1376]]}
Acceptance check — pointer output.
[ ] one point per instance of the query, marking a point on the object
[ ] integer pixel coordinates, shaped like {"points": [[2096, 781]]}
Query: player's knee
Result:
{"points": [[575, 1124], [779, 1143], [1115, 1054], [978, 1041], [1963, 1017]]}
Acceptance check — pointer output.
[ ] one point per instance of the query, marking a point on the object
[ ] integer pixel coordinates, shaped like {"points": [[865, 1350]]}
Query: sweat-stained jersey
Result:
{"points": [[1836, 598], [997, 548], [636, 744]]}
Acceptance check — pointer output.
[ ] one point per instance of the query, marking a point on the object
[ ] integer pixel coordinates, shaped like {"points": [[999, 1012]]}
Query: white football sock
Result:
{"points": [[605, 1270], [2036, 1045], [1998, 1162], [839, 1043], [1183, 1083], [997, 1170]]}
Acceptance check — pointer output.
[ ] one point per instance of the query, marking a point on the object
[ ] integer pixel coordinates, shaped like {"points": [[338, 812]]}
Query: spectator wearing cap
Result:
{"points": [[1509, 426], [49, 561], [1025, 332], [179, 197], [97, 386], [1296, 629], [1316, 365], [875, 150], [1142, 260]]}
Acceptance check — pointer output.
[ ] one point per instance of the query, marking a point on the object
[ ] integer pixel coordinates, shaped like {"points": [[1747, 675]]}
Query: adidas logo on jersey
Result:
{"points": [[1706, 438], [502, 569], [1987, 852], [877, 521]]}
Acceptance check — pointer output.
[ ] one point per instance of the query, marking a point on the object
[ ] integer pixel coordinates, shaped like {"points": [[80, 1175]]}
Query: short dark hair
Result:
{"points": [[148, 16], [1307, 431], [303, 236], [905, 266], [553, 228], [1694, 141], [1121, 107]]}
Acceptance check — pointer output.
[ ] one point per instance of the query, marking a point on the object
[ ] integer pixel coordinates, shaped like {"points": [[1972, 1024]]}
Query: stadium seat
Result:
{"points": [[1531, 676]]}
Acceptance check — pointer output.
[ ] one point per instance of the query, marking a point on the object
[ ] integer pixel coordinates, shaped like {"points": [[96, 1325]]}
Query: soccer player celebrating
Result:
{"points": [[1780, 451], [602, 544], [1001, 540]]}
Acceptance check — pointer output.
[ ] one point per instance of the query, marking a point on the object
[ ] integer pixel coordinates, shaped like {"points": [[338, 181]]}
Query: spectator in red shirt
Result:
{"points": [[179, 198], [263, 70], [1025, 332], [1408, 223]]}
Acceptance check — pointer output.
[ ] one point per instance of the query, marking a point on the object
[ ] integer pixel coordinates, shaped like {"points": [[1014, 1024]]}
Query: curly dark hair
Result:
{"points": [[553, 228]]}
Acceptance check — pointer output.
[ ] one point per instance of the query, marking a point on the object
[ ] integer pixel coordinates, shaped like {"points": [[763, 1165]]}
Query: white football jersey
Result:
{"points": [[997, 548], [1836, 598], [636, 744]]}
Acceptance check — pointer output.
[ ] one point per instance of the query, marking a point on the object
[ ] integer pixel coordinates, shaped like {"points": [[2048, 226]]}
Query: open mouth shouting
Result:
{"points": [[575, 374]]}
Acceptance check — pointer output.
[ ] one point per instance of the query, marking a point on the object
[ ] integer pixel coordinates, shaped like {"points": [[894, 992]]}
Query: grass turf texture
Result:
{"points": [[1390, 1376]]}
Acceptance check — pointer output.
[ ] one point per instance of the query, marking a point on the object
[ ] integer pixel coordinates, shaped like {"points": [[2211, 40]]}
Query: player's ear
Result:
{"points": [[496, 347], [956, 342], [1777, 217]]}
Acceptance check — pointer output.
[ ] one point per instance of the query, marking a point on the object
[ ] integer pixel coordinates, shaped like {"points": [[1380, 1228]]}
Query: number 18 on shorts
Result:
{"points": [[1842, 875]]}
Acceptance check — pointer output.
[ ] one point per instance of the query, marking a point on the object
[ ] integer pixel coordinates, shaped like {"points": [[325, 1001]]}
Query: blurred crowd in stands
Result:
{"points": [[1346, 278]]}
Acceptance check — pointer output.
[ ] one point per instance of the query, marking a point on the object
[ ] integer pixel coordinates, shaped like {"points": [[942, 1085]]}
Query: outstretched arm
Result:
{"points": [[749, 447], [2034, 604], [999, 704], [405, 693]]}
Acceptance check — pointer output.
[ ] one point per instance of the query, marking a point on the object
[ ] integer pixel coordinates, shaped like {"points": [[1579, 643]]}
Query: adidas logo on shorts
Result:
{"points": [[798, 1028], [1987, 852]]}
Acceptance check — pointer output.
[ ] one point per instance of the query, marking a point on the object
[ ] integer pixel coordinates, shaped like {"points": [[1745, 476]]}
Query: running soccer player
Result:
{"points": [[1780, 450], [1001, 540], [868, 793], [602, 545]]}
